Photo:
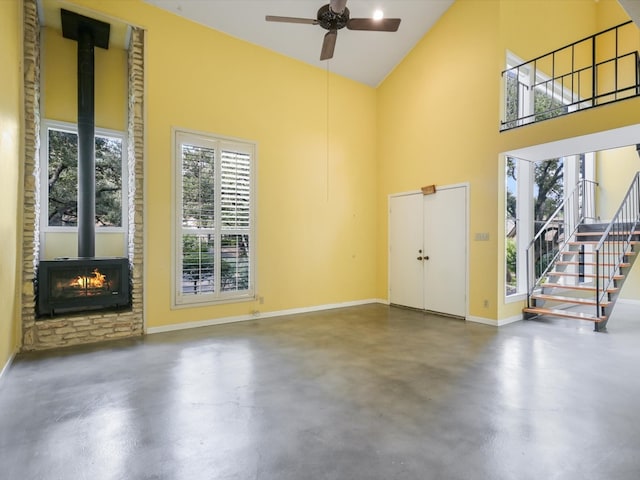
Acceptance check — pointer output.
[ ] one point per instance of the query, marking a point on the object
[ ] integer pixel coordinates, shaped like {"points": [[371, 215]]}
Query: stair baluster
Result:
{"points": [[607, 248]]}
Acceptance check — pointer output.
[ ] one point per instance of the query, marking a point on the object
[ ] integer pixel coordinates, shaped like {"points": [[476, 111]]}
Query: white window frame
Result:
{"points": [[526, 77], [218, 143], [524, 210], [524, 224], [43, 217]]}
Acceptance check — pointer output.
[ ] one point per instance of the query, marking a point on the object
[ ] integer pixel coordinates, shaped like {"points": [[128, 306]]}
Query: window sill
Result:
{"points": [[213, 302], [516, 297]]}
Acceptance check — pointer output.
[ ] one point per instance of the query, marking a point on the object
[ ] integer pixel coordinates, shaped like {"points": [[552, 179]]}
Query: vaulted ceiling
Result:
{"points": [[367, 57]]}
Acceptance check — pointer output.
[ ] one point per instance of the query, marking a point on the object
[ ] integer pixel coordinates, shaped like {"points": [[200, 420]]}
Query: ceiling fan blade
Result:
{"points": [[337, 6], [382, 25], [275, 18], [328, 45]]}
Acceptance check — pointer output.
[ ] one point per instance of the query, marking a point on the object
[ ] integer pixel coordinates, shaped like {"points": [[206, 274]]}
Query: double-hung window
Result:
{"points": [[214, 219]]}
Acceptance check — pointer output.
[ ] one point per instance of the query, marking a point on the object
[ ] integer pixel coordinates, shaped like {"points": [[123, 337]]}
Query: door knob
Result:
{"points": [[426, 258], [419, 258]]}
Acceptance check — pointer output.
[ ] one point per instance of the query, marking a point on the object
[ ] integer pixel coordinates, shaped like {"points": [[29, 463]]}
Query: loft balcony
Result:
{"points": [[594, 71]]}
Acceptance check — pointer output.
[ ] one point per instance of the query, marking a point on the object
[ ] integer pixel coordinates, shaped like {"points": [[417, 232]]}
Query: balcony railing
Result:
{"points": [[596, 70]]}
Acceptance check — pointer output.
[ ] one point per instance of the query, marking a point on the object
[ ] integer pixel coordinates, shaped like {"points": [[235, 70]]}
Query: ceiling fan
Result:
{"points": [[333, 17]]}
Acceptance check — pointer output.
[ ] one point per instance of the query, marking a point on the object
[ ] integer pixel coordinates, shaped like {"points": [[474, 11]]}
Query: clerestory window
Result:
{"points": [[214, 219]]}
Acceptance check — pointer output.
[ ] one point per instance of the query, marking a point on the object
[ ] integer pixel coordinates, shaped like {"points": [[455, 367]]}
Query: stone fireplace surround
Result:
{"points": [[92, 326]]}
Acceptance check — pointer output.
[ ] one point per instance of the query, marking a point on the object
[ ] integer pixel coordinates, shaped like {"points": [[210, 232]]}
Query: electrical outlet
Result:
{"points": [[261, 300], [485, 304], [482, 237]]}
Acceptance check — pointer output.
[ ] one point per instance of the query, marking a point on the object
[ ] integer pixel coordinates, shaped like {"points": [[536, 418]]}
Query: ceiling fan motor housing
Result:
{"points": [[330, 20]]}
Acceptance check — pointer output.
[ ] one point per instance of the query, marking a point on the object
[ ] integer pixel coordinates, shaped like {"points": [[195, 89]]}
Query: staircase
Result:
{"points": [[580, 274]]}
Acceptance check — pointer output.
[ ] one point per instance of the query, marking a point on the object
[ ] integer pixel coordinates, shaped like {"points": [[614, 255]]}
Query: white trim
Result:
{"points": [[467, 187], [44, 227], [220, 144], [494, 323], [532, 78], [516, 297], [482, 320], [7, 366], [256, 315], [506, 321]]}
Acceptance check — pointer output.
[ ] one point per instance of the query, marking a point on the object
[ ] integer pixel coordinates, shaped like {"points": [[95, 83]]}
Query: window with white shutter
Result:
{"points": [[214, 244]]}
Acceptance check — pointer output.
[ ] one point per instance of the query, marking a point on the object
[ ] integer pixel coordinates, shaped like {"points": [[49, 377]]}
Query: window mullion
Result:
{"points": [[217, 221], [525, 218]]}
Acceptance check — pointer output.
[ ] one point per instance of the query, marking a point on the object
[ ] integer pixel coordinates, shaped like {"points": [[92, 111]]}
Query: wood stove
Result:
{"points": [[85, 283], [77, 284]]}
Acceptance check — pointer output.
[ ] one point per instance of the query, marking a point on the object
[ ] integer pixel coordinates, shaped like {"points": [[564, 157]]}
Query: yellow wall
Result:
{"points": [[595, 17], [614, 171], [65, 244], [60, 102], [322, 216], [439, 111], [60, 82], [10, 174], [316, 225]]}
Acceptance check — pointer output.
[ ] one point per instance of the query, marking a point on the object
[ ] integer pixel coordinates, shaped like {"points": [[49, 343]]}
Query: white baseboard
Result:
{"points": [[249, 316], [7, 365], [494, 323]]}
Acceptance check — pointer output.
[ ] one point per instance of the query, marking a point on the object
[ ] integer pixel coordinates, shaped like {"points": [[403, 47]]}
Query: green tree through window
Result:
{"points": [[63, 179], [215, 219]]}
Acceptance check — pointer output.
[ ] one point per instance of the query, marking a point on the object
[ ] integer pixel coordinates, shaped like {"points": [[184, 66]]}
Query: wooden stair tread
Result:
{"points": [[563, 313], [593, 264], [585, 275], [576, 300], [583, 288], [591, 234], [577, 252], [596, 242]]}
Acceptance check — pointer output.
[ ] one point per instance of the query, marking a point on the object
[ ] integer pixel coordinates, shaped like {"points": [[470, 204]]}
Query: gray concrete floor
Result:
{"points": [[369, 392]]}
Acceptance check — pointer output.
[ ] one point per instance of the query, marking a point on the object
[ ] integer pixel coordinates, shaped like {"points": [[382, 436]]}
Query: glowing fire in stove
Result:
{"points": [[96, 280]]}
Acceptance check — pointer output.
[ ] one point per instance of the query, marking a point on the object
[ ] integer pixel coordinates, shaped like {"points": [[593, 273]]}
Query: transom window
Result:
{"points": [[214, 221]]}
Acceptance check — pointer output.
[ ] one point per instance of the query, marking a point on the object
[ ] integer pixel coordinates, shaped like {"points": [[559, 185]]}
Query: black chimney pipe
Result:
{"points": [[89, 33]]}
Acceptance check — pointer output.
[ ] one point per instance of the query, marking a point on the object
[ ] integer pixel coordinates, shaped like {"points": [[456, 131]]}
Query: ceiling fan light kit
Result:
{"points": [[335, 16]]}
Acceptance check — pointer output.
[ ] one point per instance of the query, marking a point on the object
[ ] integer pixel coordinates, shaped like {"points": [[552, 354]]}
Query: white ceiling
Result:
{"points": [[367, 57]]}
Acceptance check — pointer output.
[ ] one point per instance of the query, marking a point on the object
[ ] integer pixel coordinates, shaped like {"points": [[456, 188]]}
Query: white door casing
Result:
{"points": [[428, 250]]}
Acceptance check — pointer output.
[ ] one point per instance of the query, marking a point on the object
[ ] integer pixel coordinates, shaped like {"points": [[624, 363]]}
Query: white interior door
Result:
{"points": [[445, 251], [428, 251], [405, 246]]}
